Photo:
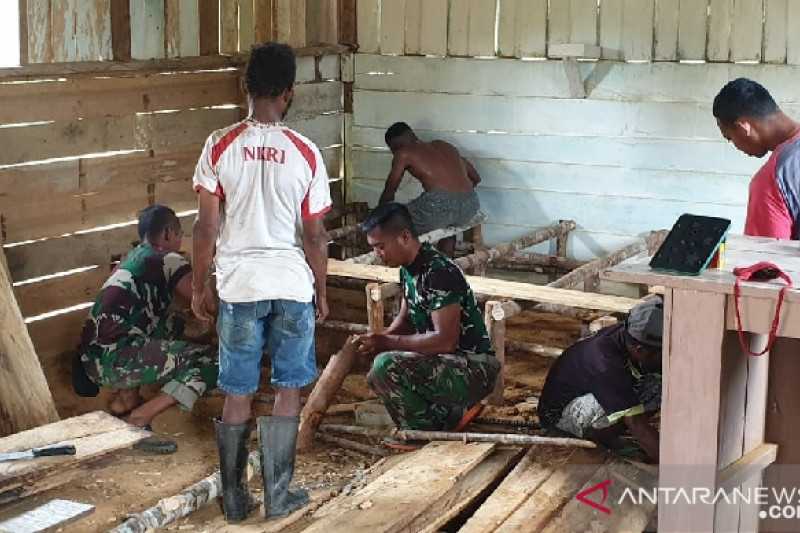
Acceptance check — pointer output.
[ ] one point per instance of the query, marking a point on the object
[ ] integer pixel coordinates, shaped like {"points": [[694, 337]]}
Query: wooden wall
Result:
{"points": [[96, 30], [622, 147], [633, 30], [83, 153]]}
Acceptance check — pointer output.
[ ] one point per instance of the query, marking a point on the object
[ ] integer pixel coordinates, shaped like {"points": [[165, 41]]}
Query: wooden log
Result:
{"points": [[563, 239], [354, 430], [353, 445], [593, 268], [497, 334], [25, 398], [500, 438], [525, 260], [529, 239], [325, 390], [168, 510]]}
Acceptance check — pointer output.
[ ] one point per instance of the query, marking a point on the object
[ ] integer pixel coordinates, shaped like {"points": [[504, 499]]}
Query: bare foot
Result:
{"points": [[124, 402]]}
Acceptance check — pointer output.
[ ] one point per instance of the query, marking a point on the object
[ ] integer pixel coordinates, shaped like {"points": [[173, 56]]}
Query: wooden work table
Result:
{"points": [[714, 413]]}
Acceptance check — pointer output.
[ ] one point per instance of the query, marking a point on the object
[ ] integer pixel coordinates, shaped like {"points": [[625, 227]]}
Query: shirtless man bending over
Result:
{"points": [[449, 181]]}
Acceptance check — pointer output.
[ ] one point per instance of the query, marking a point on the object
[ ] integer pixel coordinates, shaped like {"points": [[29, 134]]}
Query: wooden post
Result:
{"points": [[209, 27], [121, 30], [25, 398], [348, 31], [377, 294], [562, 240], [329, 383], [475, 236]]}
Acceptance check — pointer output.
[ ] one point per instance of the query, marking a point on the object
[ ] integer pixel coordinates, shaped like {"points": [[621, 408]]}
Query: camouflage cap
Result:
{"points": [[646, 322]]}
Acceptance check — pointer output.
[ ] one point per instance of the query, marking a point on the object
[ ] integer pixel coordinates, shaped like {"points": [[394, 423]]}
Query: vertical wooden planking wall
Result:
{"points": [[666, 30], [392, 25], [793, 37], [522, 28], [637, 22], [611, 29], [775, 30], [692, 25]]}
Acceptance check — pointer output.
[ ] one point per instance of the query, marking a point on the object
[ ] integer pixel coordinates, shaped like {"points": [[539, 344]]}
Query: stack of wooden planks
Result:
{"points": [[477, 488]]}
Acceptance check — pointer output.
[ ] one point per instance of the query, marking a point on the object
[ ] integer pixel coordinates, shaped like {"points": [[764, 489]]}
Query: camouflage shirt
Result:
{"points": [[432, 282], [132, 305]]}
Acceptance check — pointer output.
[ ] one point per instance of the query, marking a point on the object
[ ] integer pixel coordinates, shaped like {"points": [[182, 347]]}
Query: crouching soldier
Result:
{"points": [[434, 363], [130, 340], [609, 381]]}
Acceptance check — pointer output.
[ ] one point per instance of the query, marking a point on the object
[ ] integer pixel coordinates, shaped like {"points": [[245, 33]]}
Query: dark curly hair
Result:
{"points": [[743, 98], [154, 219], [270, 70]]}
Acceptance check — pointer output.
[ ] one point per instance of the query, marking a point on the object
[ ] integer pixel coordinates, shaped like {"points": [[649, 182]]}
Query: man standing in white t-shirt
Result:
{"points": [[262, 194]]}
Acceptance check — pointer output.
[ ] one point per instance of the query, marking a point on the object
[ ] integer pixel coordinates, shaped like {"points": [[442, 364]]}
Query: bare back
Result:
{"points": [[437, 165]]}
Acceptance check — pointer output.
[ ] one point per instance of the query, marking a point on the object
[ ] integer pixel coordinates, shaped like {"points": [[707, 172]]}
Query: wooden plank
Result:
{"points": [[93, 437], [446, 75], [465, 491], [228, 26], [26, 398], [515, 489], [553, 493], [433, 29], [393, 15], [611, 29], [93, 32], [458, 28], [792, 37], [116, 96], [637, 41], [776, 30], [39, 43], [290, 23], [369, 34], [209, 27], [60, 292], [55, 336], [692, 28], [418, 481], [482, 16], [559, 22], [625, 515], [694, 365], [485, 286], [165, 131], [746, 466], [522, 28], [263, 20], [719, 30], [182, 28], [347, 21], [413, 26], [515, 115], [62, 139], [668, 15], [62, 27], [583, 22], [747, 30], [321, 22], [50, 516], [247, 25], [147, 16]]}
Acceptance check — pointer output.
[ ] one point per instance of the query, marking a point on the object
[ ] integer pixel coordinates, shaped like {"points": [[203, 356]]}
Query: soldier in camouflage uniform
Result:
{"points": [[435, 361], [130, 339]]}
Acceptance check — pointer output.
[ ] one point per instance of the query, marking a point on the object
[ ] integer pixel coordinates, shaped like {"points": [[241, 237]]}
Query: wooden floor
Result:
{"points": [[483, 487]]}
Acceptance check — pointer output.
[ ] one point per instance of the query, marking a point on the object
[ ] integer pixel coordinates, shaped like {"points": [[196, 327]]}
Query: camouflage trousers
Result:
{"points": [[185, 370], [431, 392]]}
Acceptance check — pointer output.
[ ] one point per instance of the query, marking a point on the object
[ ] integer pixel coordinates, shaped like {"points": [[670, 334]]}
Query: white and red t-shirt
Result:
{"points": [[271, 178]]}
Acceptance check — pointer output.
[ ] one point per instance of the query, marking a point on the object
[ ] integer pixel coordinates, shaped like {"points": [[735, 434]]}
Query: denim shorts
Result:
{"points": [[284, 327]]}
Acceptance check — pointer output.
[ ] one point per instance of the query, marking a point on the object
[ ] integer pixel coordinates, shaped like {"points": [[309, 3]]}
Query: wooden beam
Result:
{"points": [[121, 30], [105, 68], [530, 239], [25, 398], [209, 27], [352, 445], [497, 334], [496, 288], [23, 31], [375, 307], [750, 464], [534, 349]]}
